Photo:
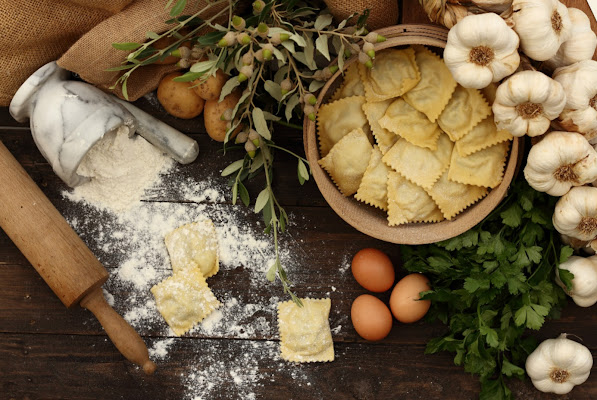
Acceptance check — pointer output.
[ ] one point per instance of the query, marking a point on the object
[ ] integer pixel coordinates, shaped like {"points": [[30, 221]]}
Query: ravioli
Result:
{"points": [[432, 93], [347, 161], [484, 135], [305, 334], [337, 119], [408, 202], [194, 245], [403, 120], [184, 299], [374, 112], [373, 189], [420, 165], [464, 111], [352, 84], [394, 73], [483, 168], [453, 197]]}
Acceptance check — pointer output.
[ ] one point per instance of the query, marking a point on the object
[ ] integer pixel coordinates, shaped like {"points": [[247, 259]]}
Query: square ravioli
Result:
{"points": [[351, 85], [394, 73], [184, 299], [453, 197], [347, 161], [194, 245], [408, 202], [374, 186], [420, 165], [483, 168], [374, 111], [466, 108], [335, 120], [410, 124], [305, 334], [436, 86], [484, 135]]}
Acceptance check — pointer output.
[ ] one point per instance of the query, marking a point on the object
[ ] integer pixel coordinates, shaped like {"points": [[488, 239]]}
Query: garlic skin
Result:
{"points": [[579, 81], [526, 103], [481, 49], [560, 161], [581, 45], [584, 284], [542, 25], [578, 245], [575, 214], [557, 365]]}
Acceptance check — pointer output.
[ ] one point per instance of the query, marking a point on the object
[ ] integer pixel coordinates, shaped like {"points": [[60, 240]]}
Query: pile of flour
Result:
{"points": [[120, 169]]}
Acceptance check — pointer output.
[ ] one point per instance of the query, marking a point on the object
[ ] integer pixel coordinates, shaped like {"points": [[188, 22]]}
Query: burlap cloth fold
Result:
{"points": [[79, 33]]}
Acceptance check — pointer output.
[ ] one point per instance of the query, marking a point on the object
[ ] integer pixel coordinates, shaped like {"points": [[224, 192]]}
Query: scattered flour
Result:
{"points": [[127, 234]]}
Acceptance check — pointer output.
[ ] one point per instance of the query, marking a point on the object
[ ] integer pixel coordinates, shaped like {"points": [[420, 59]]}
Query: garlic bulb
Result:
{"points": [[579, 81], [526, 103], [557, 365], [542, 25], [581, 44], [584, 284], [578, 245], [559, 161], [481, 49], [575, 214]]}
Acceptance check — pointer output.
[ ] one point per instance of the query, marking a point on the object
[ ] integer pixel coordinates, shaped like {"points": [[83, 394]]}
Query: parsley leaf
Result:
{"points": [[492, 284]]}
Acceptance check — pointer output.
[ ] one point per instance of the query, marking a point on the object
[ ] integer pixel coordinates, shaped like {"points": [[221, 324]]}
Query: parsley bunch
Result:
{"points": [[491, 284]]}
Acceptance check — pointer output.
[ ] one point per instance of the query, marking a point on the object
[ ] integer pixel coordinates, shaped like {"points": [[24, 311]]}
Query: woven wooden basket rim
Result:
{"points": [[372, 221]]}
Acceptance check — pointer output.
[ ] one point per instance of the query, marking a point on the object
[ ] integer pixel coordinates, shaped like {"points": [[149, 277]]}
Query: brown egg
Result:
{"points": [[404, 301], [371, 318], [373, 270]]}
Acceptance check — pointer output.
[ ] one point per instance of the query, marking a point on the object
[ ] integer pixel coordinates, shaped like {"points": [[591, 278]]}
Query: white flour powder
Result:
{"points": [[128, 238], [120, 169]]}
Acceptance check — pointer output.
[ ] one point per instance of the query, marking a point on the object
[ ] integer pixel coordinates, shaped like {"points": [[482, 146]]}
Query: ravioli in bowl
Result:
{"points": [[405, 146]]}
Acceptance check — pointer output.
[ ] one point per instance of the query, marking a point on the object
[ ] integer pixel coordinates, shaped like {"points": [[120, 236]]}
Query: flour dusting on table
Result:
{"points": [[129, 241]]}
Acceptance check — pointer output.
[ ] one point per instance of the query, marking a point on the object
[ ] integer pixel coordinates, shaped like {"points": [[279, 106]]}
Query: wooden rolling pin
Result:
{"points": [[60, 256]]}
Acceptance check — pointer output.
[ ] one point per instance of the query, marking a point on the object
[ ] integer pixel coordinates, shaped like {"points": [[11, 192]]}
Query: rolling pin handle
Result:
{"points": [[124, 337]]}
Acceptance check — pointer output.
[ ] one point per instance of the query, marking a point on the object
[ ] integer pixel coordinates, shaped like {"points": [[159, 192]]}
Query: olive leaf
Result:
{"points": [[229, 87], [288, 45], [309, 52], [203, 66], [262, 200], [178, 7], [298, 40], [322, 21], [273, 89], [152, 35], [321, 44], [303, 174], [232, 168], [316, 85], [290, 105], [260, 123], [126, 46]]}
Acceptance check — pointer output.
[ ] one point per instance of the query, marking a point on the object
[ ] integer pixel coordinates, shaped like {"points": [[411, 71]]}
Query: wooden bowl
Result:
{"points": [[372, 221]]}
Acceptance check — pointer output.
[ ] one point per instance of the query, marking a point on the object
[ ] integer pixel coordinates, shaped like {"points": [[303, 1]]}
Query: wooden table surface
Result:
{"points": [[50, 352]]}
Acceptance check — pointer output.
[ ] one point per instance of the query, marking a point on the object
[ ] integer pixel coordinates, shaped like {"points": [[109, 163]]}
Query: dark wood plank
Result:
{"points": [[87, 367]]}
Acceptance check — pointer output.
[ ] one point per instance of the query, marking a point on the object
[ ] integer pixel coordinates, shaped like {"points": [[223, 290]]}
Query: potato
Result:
{"points": [[216, 128], [211, 88], [178, 99]]}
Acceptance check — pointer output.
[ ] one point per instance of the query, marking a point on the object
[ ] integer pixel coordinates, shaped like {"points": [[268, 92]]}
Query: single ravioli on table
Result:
{"points": [[434, 143], [184, 299], [194, 245], [305, 334]]}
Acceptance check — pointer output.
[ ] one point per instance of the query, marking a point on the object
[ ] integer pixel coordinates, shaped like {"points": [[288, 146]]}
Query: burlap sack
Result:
{"points": [[382, 12], [91, 55], [33, 33]]}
